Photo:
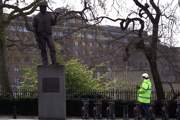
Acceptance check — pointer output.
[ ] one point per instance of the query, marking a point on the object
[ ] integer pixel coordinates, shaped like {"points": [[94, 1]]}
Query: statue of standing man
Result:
{"points": [[42, 24]]}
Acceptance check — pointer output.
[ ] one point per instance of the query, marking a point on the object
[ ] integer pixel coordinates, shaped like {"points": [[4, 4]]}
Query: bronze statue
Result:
{"points": [[42, 24]]}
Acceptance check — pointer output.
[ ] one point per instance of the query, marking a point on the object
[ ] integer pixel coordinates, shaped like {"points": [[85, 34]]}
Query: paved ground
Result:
{"points": [[18, 118], [6, 118], [35, 118]]}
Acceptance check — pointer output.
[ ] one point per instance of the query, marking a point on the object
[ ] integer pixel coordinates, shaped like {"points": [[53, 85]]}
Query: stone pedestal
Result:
{"points": [[51, 92]]}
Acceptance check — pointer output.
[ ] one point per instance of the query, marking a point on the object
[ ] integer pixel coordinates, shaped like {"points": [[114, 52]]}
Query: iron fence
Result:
{"points": [[18, 94], [25, 102], [118, 94], [75, 94]]}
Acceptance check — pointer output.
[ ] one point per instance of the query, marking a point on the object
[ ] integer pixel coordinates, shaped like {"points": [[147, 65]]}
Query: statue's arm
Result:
{"points": [[35, 25], [54, 20], [35, 29]]}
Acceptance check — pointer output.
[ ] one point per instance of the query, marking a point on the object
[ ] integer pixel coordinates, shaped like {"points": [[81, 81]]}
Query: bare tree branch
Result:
{"points": [[19, 11], [5, 1], [158, 12], [145, 9], [124, 23]]}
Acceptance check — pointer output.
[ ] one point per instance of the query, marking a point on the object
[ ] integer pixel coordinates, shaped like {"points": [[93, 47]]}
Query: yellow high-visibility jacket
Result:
{"points": [[145, 91]]}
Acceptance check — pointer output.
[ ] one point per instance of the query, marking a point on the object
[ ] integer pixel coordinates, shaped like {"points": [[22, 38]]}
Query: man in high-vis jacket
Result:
{"points": [[144, 93]]}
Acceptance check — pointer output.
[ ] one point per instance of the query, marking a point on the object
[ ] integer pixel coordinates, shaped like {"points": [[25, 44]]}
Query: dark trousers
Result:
{"points": [[145, 109], [45, 41]]}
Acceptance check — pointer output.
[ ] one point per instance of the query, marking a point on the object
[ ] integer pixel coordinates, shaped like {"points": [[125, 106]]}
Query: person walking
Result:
{"points": [[144, 94]]}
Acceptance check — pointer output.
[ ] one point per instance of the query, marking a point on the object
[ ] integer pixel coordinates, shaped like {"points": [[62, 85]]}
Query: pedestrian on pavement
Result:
{"points": [[144, 94]]}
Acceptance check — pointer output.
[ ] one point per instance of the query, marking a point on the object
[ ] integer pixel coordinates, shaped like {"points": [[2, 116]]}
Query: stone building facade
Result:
{"points": [[100, 47]]}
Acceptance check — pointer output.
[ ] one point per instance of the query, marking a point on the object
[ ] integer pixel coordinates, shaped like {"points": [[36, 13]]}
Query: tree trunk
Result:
{"points": [[4, 81], [156, 78], [5, 84], [151, 55]]}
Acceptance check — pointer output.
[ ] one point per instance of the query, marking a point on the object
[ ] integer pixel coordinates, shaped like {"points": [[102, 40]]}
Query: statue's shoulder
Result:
{"points": [[37, 15], [50, 14], [40, 16]]}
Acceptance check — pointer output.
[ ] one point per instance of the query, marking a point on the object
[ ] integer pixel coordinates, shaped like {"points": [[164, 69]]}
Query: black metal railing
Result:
{"points": [[25, 102], [18, 94], [114, 94]]}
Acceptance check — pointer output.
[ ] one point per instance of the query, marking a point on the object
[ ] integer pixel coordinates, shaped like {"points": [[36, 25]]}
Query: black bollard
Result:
{"points": [[178, 109], [14, 112], [164, 110], [110, 112], [97, 109], [137, 112], [125, 111], [95, 112], [85, 109], [151, 113]]}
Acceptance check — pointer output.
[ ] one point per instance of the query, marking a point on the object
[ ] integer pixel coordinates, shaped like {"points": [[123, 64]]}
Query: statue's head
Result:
{"points": [[43, 6]]}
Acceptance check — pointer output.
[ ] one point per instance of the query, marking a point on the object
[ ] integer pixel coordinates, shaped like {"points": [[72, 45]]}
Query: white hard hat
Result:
{"points": [[145, 75]]}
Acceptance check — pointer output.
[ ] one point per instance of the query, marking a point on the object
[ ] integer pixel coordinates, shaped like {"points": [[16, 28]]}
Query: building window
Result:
{"points": [[125, 40], [12, 28], [89, 36], [76, 53], [104, 46], [90, 44], [97, 44], [57, 34], [17, 82], [72, 21], [83, 43], [84, 53], [76, 43], [79, 35], [27, 59], [18, 28], [90, 52], [16, 69], [98, 74]]}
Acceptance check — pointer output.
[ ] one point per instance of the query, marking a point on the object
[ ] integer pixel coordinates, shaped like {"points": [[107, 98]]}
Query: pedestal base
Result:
{"points": [[51, 92]]}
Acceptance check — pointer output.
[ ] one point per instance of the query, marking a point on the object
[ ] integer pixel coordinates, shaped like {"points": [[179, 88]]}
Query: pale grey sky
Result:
{"points": [[126, 6]]}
